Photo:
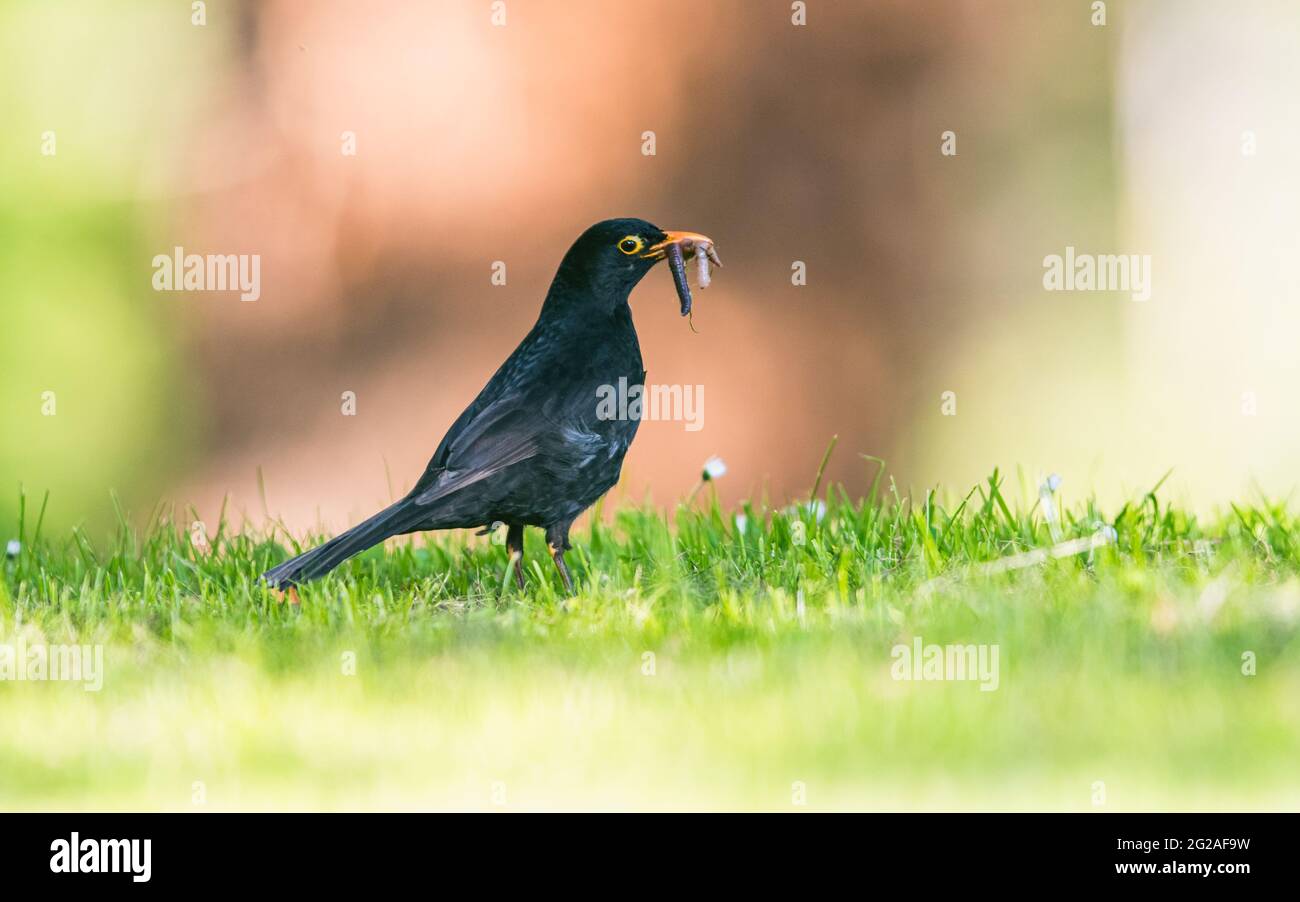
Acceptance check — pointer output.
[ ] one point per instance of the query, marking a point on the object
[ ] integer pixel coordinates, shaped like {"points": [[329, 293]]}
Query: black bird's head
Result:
{"points": [[610, 258]]}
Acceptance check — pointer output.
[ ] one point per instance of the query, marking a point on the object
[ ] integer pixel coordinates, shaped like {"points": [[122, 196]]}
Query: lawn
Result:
{"points": [[710, 659]]}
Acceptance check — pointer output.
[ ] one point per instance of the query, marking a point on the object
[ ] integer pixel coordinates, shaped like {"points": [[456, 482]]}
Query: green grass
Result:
{"points": [[698, 666]]}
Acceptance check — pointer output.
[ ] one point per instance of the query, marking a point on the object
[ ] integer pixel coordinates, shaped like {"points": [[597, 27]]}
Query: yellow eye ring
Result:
{"points": [[631, 244]]}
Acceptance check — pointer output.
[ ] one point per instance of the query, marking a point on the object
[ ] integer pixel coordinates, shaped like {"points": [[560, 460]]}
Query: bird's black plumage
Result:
{"points": [[532, 448]]}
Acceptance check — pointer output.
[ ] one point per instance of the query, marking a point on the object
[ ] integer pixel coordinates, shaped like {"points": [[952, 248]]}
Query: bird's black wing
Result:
{"points": [[506, 383], [505, 432]]}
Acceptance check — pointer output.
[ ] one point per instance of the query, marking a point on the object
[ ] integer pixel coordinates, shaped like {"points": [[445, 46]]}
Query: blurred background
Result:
{"points": [[1169, 131]]}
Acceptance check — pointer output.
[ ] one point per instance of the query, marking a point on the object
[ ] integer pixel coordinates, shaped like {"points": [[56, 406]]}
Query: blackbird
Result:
{"points": [[533, 449]]}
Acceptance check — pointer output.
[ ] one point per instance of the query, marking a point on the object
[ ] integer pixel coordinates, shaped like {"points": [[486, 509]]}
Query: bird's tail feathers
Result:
{"points": [[390, 521]]}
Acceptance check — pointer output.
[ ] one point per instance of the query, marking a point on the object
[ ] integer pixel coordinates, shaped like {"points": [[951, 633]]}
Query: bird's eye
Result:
{"points": [[631, 244]]}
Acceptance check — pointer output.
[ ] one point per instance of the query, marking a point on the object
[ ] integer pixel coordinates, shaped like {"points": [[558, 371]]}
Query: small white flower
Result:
{"points": [[1105, 532], [741, 522], [13, 548], [714, 468], [1045, 492]]}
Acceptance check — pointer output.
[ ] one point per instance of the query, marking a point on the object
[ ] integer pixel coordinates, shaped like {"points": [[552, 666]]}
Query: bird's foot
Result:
{"points": [[557, 554]]}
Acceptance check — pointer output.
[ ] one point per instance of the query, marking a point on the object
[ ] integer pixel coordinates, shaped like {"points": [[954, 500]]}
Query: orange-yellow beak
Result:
{"points": [[688, 242]]}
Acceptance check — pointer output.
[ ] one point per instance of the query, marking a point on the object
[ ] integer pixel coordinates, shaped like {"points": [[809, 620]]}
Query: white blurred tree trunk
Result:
{"points": [[1210, 144]]}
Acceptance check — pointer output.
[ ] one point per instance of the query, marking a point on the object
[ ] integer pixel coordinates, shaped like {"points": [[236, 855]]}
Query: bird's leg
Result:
{"points": [[557, 554], [515, 545], [558, 536]]}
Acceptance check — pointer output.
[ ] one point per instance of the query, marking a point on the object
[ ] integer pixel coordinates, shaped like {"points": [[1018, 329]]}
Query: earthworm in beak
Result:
{"points": [[678, 266], [676, 248]]}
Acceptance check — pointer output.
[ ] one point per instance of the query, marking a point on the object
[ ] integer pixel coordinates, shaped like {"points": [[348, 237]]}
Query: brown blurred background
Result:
{"points": [[479, 142]]}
